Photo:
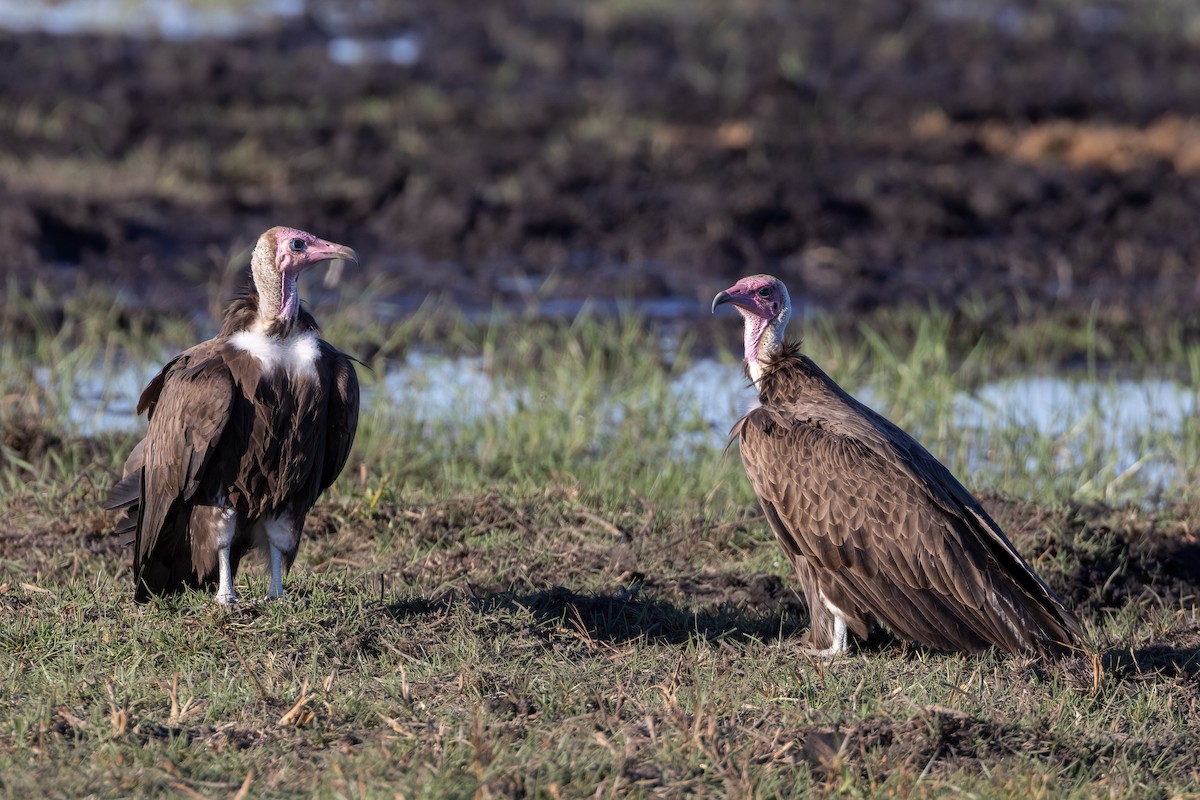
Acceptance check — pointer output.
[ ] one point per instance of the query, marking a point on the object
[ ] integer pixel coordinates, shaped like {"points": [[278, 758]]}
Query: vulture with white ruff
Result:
{"points": [[877, 529], [245, 431]]}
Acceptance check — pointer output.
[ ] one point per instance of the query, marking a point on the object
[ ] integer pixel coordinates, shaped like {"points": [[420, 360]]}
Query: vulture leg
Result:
{"points": [[225, 593], [828, 635], [827, 629], [837, 648], [283, 538], [275, 589], [224, 540], [212, 531]]}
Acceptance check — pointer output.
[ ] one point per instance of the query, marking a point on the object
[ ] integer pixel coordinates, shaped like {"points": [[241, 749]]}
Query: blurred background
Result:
{"points": [[1006, 160]]}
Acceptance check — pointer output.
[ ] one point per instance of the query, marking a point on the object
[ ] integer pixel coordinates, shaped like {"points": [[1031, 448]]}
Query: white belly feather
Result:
{"points": [[296, 354]]}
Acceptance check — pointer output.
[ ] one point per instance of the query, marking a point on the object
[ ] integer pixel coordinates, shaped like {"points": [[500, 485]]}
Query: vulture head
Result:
{"points": [[279, 257], [765, 306]]}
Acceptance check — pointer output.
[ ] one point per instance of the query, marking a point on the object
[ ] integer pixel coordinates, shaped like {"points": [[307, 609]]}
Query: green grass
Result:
{"points": [[545, 604]]}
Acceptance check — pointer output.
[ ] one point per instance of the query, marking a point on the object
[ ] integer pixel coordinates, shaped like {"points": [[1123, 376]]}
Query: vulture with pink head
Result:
{"points": [[877, 529], [245, 432]]}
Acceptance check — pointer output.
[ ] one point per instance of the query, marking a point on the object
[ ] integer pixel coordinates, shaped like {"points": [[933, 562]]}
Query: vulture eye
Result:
{"points": [[764, 291], [297, 245]]}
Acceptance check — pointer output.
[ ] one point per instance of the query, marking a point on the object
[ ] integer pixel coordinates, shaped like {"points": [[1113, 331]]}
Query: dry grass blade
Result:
{"points": [[76, 722], [118, 713], [395, 725], [180, 712], [262, 693], [244, 790], [187, 791], [603, 523], [299, 714]]}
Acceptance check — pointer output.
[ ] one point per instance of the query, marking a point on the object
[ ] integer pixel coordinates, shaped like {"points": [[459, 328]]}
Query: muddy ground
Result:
{"points": [[1038, 160]]}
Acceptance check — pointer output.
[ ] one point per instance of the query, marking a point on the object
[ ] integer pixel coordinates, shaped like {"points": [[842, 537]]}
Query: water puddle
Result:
{"points": [[99, 400], [170, 19], [185, 20], [1015, 19], [443, 392], [404, 50], [1131, 433]]}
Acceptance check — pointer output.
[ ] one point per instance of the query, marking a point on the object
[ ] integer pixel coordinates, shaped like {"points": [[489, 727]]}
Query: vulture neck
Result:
{"points": [[763, 344], [780, 377], [242, 316], [275, 318]]}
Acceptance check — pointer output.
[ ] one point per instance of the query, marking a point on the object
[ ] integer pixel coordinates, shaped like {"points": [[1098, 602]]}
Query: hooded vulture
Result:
{"points": [[877, 529], [245, 431]]}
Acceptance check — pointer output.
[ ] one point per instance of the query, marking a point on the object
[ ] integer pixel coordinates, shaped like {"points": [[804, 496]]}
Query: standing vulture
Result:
{"points": [[245, 431], [876, 527]]}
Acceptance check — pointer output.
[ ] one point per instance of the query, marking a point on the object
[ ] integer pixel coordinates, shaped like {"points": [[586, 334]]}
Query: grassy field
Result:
{"points": [[547, 604]]}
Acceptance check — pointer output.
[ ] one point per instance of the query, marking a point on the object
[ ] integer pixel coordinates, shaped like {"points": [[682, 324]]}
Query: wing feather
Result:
{"points": [[188, 413], [342, 413]]}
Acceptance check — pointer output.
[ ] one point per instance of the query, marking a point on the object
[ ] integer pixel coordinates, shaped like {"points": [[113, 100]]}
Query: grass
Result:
{"points": [[548, 604]]}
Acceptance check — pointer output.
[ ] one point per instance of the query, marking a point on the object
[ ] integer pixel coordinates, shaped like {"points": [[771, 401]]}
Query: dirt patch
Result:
{"points": [[638, 153], [26, 437], [1100, 558], [1118, 148], [941, 740]]}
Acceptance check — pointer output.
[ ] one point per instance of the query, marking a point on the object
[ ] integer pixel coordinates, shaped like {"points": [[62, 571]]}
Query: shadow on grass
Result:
{"points": [[616, 618], [1155, 660], [619, 619]]}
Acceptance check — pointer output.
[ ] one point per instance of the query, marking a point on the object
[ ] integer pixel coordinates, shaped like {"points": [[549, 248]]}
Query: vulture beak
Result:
{"points": [[338, 254], [721, 298], [333, 275], [328, 251]]}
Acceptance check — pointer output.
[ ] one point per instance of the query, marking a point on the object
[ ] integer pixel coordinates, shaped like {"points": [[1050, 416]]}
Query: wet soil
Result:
{"points": [[1033, 160]]}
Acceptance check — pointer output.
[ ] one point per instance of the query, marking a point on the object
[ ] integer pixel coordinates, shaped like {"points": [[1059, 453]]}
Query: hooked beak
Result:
{"points": [[721, 298], [322, 251], [318, 252], [328, 251], [339, 255]]}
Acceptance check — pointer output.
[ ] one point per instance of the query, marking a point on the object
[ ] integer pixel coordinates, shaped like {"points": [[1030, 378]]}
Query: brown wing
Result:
{"points": [[342, 414], [188, 413], [125, 494], [890, 534]]}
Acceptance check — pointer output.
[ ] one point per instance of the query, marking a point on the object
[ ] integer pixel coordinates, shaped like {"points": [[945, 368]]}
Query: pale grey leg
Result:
{"points": [[225, 593], [275, 589], [840, 639], [283, 537]]}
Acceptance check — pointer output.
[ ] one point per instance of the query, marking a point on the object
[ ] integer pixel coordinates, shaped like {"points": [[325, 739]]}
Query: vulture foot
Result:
{"points": [[822, 653], [839, 645]]}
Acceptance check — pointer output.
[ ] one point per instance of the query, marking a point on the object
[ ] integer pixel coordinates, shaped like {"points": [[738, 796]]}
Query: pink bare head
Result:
{"points": [[287, 252], [765, 306]]}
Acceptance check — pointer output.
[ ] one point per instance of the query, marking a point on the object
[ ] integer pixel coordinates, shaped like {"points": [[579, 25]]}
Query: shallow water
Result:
{"points": [[171, 19], [1124, 429], [1131, 431], [183, 20]]}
